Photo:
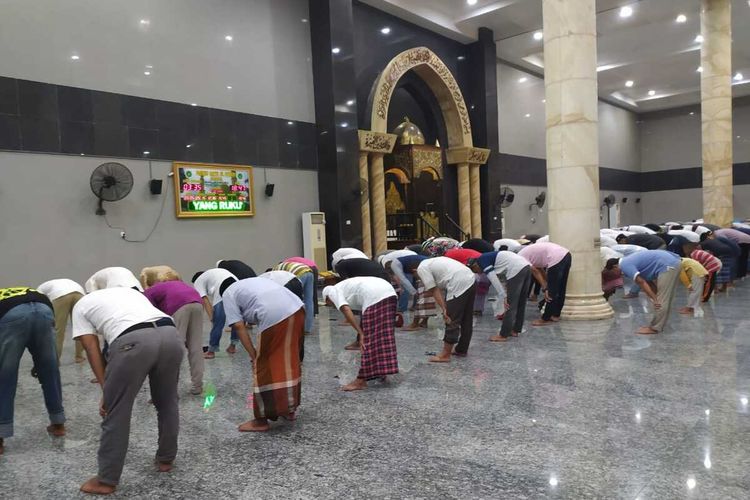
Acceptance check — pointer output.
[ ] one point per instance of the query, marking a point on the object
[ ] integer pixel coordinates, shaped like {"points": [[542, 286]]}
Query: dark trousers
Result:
{"points": [[153, 352], [461, 313], [742, 262], [557, 283], [517, 288], [708, 288]]}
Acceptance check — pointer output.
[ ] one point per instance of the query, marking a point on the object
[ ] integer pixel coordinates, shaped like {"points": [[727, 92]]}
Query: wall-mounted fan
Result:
{"points": [[110, 182], [610, 200], [539, 200], [506, 197]]}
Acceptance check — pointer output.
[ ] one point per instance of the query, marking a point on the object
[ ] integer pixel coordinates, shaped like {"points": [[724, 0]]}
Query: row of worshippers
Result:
{"points": [[147, 326]]}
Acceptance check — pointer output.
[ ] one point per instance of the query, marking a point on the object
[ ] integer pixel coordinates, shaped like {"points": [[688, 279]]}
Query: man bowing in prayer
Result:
{"points": [[280, 317], [376, 298]]}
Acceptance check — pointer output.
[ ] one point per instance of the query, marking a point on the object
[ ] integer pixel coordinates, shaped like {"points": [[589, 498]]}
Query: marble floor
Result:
{"points": [[577, 410]]}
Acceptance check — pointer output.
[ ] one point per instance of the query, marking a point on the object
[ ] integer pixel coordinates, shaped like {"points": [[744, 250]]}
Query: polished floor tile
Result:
{"points": [[576, 410]]}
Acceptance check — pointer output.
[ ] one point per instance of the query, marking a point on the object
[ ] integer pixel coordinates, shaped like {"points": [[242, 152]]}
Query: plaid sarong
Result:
{"points": [[726, 274], [277, 369], [379, 356], [425, 307]]}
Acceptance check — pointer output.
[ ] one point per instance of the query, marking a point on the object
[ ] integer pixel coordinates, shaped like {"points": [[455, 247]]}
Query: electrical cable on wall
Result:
{"points": [[123, 233]]}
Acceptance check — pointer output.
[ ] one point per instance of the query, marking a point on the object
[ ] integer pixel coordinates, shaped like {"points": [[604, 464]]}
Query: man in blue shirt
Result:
{"points": [[653, 269]]}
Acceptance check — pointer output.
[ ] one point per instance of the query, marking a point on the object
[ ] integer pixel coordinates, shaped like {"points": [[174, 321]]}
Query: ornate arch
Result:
{"points": [[428, 66]]}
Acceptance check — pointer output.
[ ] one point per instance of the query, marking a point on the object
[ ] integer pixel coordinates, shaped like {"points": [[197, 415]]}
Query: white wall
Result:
{"points": [[49, 228], [672, 139], [525, 135], [268, 62]]}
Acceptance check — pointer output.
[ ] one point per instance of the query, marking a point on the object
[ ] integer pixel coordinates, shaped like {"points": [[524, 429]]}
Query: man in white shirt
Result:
{"points": [[346, 253], [143, 341], [398, 275], [210, 285], [376, 299], [443, 275], [110, 277], [515, 271], [287, 280], [64, 295], [507, 244], [280, 317]]}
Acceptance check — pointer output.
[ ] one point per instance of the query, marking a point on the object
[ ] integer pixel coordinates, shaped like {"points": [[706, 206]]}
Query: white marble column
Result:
{"points": [[365, 204], [716, 110], [464, 197], [572, 149], [377, 195], [476, 204]]}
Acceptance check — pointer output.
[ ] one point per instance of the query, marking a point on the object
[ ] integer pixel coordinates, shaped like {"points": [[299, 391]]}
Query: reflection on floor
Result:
{"points": [[577, 410]]}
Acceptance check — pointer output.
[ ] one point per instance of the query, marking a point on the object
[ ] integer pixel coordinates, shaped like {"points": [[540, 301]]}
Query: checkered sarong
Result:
{"points": [[425, 307], [726, 274], [379, 356]]}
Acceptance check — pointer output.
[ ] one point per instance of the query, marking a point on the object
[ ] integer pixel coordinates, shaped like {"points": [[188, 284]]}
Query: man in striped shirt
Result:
{"points": [[306, 277], [712, 264]]}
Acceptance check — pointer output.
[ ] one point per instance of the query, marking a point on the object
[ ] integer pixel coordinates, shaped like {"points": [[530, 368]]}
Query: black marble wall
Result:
{"points": [[336, 115], [48, 118]]}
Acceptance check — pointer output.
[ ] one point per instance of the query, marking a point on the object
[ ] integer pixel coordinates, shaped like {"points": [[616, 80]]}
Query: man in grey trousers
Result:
{"points": [[143, 341]]}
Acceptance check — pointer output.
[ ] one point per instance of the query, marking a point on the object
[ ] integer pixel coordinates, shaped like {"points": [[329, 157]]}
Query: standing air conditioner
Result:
{"points": [[314, 238]]}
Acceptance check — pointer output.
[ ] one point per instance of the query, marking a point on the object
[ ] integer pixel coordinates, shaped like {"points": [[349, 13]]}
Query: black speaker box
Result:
{"points": [[155, 186], [269, 190]]}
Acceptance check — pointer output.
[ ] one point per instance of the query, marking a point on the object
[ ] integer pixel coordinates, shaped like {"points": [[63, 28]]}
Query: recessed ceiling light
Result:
{"points": [[651, 92], [700, 69], [290, 123], [75, 57], [189, 146], [229, 38], [538, 35], [288, 143], [682, 18], [523, 79], [147, 73], [629, 83], [147, 152], [471, 2], [738, 77], [699, 39], [528, 115], [692, 113], [385, 30], [149, 66], [344, 124], [145, 22], [461, 58], [626, 11], [544, 100], [336, 50], [193, 103], [350, 102], [229, 87], [304, 20]]}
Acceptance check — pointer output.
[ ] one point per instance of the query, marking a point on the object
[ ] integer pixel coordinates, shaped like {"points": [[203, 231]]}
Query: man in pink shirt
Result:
{"points": [[743, 240], [556, 260]]}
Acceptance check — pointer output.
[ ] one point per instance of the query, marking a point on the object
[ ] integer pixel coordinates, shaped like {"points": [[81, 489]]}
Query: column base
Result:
{"points": [[586, 307]]}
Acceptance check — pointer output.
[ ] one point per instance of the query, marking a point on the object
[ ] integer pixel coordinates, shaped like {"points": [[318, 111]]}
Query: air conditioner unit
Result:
{"points": [[314, 238]]}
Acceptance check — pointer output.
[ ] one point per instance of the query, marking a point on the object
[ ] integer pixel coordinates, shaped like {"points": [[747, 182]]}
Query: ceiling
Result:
{"points": [[648, 48]]}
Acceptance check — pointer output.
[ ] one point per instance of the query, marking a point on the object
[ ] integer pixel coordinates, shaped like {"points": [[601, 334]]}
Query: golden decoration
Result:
{"points": [[393, 202], [408, 133]]}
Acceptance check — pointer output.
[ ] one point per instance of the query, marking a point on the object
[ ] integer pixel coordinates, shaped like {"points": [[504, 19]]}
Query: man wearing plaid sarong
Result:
{"points": [[376, 298]]}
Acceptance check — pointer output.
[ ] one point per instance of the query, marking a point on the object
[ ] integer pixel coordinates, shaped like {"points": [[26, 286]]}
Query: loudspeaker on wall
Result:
{"points": [[269, 189], [154, 186]]}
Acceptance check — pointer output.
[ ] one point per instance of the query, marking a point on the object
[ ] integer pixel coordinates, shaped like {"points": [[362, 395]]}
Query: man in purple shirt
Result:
{"points": [[183, 303], [743, 240]]}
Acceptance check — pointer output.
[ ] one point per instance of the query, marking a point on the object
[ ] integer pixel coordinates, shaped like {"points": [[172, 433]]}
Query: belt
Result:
{"points": [[149, 324]]}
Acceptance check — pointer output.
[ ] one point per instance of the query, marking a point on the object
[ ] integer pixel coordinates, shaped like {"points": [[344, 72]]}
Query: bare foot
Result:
{"points": [[646, 330], [541, 322], [358, 385], [686, 310], [232, 349], [354, 346], [95, 487], [630, 296], [163, 466], [57, 430], [440, 358], [411, 328], [498, 338], [209, 355], [556, 319], [533, 298], [514, 334], [290, 417], [255, 425]]}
